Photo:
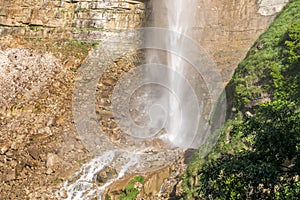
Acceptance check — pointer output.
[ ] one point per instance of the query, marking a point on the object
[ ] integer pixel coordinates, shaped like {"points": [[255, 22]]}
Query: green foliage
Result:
{"points": [[130, 192], [57, 181], [36, 27], [266, 171], [277, 129], [77, 10], [230, 141], [293, 43], [278, 82], [78, 49], [274, 55]]}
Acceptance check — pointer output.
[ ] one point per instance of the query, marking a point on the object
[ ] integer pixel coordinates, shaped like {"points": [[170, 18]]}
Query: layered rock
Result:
{"points": [[70, 19], [226, 29]]}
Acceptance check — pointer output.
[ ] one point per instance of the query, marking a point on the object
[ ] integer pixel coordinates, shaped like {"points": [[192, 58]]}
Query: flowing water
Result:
{"points": [[82, 185]]}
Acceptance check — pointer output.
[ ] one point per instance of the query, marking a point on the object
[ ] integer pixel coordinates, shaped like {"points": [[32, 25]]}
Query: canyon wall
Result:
{"points": [[225, 28], [72, 19], [228, 28]]}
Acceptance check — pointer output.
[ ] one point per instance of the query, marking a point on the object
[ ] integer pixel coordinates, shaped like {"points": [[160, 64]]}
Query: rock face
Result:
{"points": [[158, 184], [106, 174], [226, 28], [68, 18], [38, 145], [270, 7]]}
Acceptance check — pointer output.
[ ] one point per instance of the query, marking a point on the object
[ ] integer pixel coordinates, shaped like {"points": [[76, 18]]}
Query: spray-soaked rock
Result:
{"points": [[106, 174]]}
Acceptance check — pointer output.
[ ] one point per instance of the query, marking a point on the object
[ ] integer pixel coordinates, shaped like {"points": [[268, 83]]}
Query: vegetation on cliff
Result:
{"points": [[258, 153]]}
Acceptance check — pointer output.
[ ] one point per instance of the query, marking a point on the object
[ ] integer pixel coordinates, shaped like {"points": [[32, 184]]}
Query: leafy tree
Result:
{"points": [[269, 170]]}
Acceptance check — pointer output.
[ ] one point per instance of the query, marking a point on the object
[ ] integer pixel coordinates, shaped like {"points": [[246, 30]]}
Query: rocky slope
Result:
{"points": [[39, 146]]}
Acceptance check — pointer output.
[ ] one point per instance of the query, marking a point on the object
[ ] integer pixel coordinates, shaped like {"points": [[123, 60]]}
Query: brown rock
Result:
{"points": [[60, 120], [34, 153], [52, 160], [10, 175], [64, 194], [106, 174], [154, 180], [4, 148], [109, 81]]}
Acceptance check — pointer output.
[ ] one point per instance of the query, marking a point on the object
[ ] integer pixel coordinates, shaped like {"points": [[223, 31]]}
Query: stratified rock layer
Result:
{"points": [[81, 20]]}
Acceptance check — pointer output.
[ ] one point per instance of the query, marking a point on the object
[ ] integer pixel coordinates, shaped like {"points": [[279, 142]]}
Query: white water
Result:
{"points": [[177, 16], [85, 184], [180, 19]]}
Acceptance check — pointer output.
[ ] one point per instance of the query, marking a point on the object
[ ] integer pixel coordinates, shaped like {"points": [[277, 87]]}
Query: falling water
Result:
{"points": [[180, 19], [178, 16]]}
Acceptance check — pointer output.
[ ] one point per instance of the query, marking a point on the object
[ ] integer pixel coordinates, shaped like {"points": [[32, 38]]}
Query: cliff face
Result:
{"points": [[226, 29], [72, 19]]}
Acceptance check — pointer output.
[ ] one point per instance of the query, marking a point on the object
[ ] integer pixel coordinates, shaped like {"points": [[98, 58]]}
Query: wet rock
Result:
{"points": [[106, 174], [188, 155]]}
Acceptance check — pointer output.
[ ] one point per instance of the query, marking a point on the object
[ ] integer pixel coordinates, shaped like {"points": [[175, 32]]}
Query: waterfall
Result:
{"points": [[183, 104], [180, 15]]}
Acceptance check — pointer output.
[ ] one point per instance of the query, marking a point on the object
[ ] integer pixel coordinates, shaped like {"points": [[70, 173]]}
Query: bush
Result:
{"points": [[130, 192]]}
